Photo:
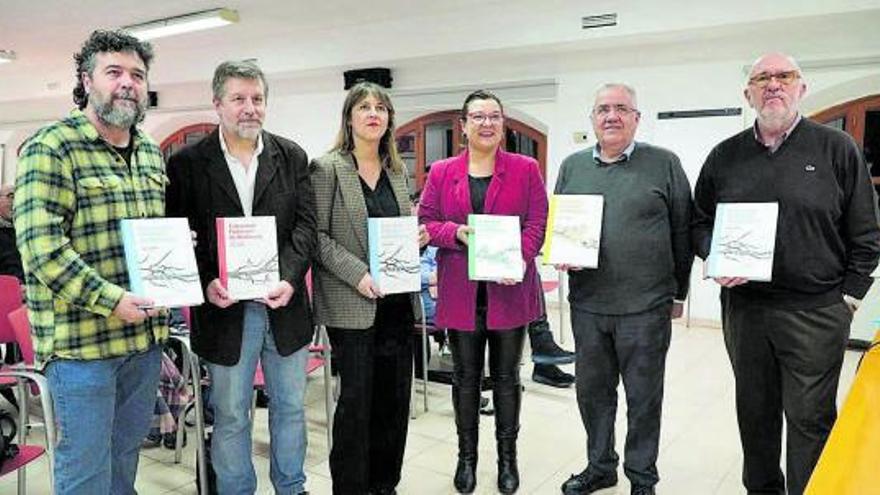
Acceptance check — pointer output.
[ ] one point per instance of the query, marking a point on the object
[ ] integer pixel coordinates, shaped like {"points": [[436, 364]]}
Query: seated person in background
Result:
{"points": [[10, 264], [546, 355], [10, 260], [429, 283]]}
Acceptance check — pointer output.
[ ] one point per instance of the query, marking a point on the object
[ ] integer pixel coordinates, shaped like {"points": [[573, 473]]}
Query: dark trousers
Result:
{"points": [[784, 361], [468, 357], [372, 414], [633, 347]]}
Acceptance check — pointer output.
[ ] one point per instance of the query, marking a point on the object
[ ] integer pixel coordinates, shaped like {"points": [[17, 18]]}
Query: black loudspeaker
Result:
{"points": [[153, 99], [378, 75]]}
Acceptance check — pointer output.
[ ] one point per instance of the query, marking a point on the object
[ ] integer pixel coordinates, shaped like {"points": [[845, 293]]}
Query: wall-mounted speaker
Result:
{"points": [[378, 75]]}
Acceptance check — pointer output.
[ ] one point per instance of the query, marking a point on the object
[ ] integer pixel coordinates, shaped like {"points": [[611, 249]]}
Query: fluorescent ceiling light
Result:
{"points": [[186, 23], [6, 56]]}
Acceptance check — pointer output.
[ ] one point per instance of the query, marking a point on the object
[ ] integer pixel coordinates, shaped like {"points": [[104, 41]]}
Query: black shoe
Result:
{"points": [[642, 490], [547, 352], [588, 482], [508, 474], [486, 407], [169, 440], [465, 480], [152, 440], [549, 374]]}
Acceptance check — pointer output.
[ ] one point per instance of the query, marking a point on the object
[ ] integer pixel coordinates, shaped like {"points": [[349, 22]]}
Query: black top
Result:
{"points": [[645, 254], [10, 260], [827, 235], [125, 151], [478, 187], [380, 202]]}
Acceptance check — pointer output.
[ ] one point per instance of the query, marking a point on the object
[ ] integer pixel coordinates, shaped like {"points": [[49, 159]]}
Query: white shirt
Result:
{"points": [[244, 179]]}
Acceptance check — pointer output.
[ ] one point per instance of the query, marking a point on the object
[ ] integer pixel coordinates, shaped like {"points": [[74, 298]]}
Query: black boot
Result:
{"points": [[466, 405], [507, 405], [465, 480], [508, 474]]}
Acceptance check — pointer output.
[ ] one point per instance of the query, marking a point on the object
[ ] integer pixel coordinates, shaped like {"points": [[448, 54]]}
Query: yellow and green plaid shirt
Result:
{"points": [[72, 189]]}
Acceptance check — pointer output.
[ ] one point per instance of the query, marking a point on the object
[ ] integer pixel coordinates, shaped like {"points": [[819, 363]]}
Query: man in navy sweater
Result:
{"points": [[786, 338]]}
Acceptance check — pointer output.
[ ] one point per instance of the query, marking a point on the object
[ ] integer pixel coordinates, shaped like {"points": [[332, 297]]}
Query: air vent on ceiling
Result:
{"points": [[597, 21]]}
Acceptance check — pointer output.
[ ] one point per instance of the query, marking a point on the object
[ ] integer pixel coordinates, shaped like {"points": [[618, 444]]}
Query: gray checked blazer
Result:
{"points": [[341, 258]]}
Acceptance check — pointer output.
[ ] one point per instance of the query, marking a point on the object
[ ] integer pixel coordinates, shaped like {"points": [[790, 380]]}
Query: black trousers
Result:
{"points": [[633, 347], [372, 414], [468, 357], [785, 362]]}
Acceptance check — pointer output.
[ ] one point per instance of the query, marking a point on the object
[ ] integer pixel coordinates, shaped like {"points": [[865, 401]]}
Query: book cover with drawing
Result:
{"points": [[574, 230], [161, 262], [248, 255], [394, 254], [743, 241], [495, 248]]}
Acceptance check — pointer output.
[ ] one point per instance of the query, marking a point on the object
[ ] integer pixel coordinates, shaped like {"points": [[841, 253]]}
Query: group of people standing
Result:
{"points": [[78, 177]]}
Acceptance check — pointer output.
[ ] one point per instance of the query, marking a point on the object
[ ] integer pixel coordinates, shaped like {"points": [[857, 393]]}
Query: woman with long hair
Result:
{"points": [[362, 177], [484, 179]]}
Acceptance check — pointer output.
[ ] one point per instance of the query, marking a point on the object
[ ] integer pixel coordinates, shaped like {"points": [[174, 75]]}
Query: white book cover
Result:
{"points": [[743, 241], [495, 248], [161, 261], [574, 230], [248, 256], [394, 254]]}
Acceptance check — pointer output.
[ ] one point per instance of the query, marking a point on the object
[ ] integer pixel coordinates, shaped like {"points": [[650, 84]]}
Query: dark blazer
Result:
{"points": [[201, 189], [341, 259]]}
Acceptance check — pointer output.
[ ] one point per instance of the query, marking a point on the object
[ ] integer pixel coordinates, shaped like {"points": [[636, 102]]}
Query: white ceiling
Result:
{"points": [[301, 38]]}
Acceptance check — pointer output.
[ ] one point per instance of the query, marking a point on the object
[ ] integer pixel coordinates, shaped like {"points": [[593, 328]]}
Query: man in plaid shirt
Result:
{"points": [[77, 178]]}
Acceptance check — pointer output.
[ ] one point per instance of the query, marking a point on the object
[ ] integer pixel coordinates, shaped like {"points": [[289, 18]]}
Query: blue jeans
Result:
{"points": [[231, 395], [103, 410]]}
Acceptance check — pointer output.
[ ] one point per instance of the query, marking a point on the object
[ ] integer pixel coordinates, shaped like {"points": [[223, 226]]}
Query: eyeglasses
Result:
{"points": [[605, 110], [479, 118], [785, 78]]}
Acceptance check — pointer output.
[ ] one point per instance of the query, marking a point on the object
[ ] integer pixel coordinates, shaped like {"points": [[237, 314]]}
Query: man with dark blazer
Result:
{"points": [[240, 170]]}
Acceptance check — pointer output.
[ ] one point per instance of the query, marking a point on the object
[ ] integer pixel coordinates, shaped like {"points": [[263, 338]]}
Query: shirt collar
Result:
{"points": [[597, 154], [228, 155], [775, 146]]}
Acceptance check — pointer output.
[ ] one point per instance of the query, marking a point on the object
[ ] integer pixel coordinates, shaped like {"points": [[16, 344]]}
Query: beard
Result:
{"points": [[248, 132], [122, 110]]}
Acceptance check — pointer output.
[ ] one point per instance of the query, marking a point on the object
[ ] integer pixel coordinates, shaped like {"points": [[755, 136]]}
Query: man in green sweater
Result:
{"points": [[786, 338], [621, 311]]}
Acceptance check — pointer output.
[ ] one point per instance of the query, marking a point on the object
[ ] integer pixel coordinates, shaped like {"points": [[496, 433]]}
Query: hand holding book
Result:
{"points": [[279, 295], [218, 295]]}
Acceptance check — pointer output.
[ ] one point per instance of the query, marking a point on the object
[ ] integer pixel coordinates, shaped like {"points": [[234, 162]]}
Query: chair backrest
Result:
{"points": [[10, 299], [21, 328]]}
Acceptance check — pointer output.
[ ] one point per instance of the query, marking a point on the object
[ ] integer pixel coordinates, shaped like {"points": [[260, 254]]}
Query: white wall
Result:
{"points": [[307, 109]]}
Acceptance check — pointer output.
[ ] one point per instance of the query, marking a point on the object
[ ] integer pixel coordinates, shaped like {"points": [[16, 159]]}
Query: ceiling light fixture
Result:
{"points": [[6, 56], [185, 23]]}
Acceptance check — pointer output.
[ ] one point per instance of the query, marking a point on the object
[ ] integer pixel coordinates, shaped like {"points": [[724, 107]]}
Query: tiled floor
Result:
{"points": [[699, 447]]}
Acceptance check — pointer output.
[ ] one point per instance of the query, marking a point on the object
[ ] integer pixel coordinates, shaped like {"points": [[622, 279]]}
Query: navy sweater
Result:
{"points": [[827, 236]]}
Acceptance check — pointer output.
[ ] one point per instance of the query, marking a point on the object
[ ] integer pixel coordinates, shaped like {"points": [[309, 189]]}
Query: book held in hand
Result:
{"points": [[495, 248], [248, 255], [574, 229], [743, 241], [394, 254], [161, 262]]}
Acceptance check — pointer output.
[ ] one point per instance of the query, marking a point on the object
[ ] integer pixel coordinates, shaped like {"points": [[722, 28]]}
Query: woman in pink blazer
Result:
{"points": [[484, 179]]}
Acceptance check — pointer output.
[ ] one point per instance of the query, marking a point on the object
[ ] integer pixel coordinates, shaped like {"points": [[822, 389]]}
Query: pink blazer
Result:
{"points": [[517, 189]]}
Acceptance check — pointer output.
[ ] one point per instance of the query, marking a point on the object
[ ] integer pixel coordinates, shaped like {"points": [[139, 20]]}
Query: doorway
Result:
{"points": [[438, 135]]}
